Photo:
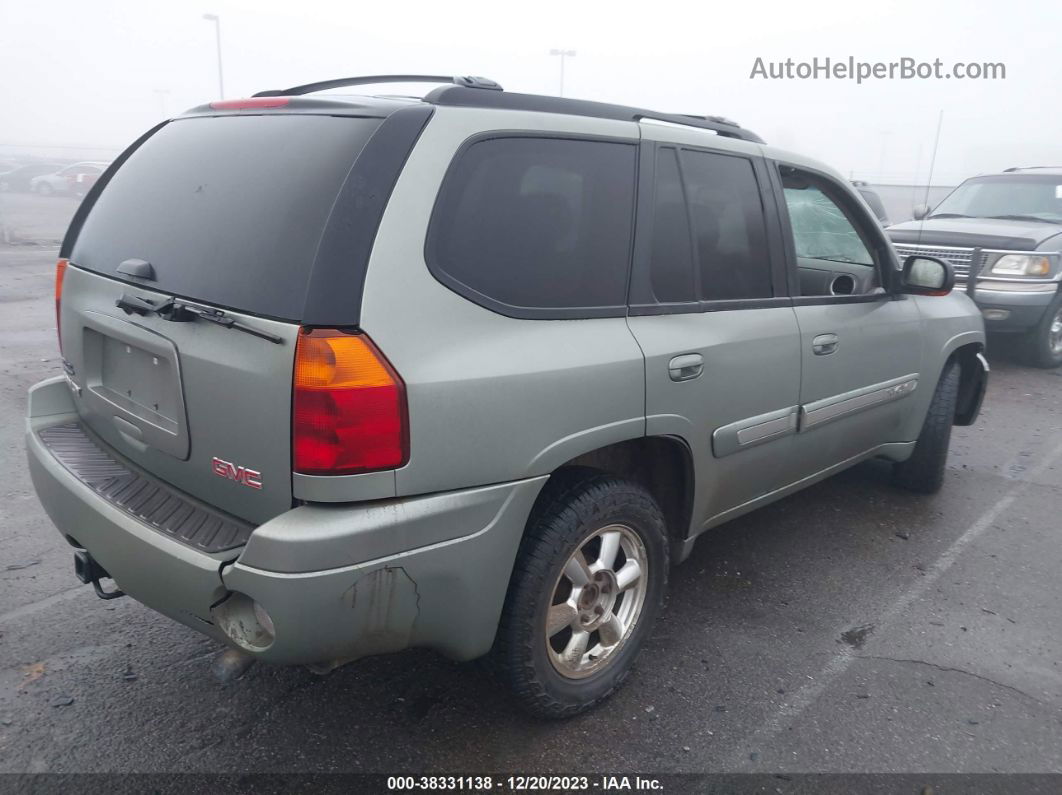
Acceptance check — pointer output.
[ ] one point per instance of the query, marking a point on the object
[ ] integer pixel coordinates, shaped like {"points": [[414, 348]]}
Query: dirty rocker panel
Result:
{"points": [[157, 505]]}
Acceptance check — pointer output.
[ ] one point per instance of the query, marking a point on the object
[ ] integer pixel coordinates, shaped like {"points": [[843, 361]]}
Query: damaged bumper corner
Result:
{"points": [[446, 594]]}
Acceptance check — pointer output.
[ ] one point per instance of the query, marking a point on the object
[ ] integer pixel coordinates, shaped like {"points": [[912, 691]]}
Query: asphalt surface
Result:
{"points": [[849, 628]]}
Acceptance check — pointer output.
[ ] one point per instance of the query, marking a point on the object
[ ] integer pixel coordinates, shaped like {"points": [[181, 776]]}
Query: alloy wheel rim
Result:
{"points": [[596, 601], [1054, 334]]}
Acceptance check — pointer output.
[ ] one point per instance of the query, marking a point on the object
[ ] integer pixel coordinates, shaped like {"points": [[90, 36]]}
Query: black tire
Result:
{"points": [[572, 508], [1040, 348], [923, 472]]}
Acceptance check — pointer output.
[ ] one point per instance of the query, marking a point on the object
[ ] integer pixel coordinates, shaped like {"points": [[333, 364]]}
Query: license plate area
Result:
{"points": [[132, 380]]}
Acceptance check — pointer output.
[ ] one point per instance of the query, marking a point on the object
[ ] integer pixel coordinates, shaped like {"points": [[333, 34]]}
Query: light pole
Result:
{"points": [[563, 54], [217, 35]]}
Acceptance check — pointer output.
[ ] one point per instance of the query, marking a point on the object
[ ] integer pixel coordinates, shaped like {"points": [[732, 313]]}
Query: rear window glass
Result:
{"points": [[228, 210], [541, 224]]}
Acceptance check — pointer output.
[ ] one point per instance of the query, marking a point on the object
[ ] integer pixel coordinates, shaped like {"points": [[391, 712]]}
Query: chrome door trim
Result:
{"points": [[753, 431], [820, 412]]}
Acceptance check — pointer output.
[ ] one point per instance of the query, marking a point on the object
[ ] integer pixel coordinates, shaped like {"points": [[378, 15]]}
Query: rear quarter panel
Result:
{"points": [[491, 398]]}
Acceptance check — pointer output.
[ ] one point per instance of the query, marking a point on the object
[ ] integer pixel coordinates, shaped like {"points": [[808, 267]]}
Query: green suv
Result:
{"points": [[350, 374]]}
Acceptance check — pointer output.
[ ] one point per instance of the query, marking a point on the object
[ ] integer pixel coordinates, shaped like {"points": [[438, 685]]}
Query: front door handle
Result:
{"points": [[824, 344], [686, 367]]}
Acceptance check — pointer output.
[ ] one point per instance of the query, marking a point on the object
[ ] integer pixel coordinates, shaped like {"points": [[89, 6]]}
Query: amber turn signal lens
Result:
{"points": [[349, 406]]}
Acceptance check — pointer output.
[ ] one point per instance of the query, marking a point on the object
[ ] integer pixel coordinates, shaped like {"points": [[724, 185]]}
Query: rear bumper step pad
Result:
{"points": [[156, 504]]}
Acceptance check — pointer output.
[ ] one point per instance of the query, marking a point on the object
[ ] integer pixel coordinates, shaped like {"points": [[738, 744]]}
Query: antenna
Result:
{"points": [[933, 157]]}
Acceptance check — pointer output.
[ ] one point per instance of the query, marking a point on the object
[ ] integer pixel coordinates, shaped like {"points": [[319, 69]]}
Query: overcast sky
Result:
{"points": [[99, 72]]}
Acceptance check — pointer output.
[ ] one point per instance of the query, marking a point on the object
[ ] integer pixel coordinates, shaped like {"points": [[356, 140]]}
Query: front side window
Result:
{"points": [[539, 224], [829, 234], [821, 230]]}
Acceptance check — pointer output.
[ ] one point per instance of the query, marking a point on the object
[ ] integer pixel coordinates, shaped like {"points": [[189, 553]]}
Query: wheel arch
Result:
{"points": [[967, 350], [662, 464], [973, 381]]}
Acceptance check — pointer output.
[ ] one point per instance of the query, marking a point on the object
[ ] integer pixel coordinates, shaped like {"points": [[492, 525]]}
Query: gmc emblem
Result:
{"points": [[228, 470]]}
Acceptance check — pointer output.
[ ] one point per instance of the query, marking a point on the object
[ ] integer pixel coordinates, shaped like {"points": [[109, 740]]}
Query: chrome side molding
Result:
{"points": [[823, 411]]}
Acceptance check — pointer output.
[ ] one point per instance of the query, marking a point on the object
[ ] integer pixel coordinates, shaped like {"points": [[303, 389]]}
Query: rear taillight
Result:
{"points": [[60, 272], [349, 406]]}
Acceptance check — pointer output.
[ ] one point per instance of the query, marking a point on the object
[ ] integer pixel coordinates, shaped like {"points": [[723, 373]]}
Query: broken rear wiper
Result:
{"points": [[177, 312]]}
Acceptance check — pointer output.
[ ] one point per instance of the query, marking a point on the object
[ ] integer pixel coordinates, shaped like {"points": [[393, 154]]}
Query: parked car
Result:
{"points": [[73, 180], [1007, 228], [18, 178], [873, 200], [319, 403]]}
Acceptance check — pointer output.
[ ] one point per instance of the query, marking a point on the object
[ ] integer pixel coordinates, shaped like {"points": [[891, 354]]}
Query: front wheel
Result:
{"points": [[923, 472], [586, 588], [1043, 345]]}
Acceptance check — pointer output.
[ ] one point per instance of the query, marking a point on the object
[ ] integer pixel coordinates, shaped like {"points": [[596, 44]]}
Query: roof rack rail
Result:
{"points": [[458, 95], [367, 80], [716, 119], [1026, 168]]}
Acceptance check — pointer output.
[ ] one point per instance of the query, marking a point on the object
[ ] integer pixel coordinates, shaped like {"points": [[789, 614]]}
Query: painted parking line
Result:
{"points": [[842, 658]]}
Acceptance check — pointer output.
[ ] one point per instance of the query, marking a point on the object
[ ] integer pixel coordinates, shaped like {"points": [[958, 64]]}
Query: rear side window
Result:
{"points": [[228, 210], [536, 226]]}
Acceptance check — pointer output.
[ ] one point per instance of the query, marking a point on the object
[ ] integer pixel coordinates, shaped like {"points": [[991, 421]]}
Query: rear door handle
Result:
{"points": [[686, 367], [824, 344]]}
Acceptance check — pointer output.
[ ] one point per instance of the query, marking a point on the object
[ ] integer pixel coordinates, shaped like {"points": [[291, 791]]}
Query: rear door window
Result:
{"points": [[671, 256], [732, 259], [707, 233], [228, 210], [537, 226]]}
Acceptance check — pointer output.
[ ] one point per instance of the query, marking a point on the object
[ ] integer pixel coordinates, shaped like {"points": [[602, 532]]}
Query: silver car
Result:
{"points": [[347, 375]]}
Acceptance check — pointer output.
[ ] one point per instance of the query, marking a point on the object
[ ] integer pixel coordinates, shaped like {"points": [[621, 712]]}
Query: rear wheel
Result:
{"points": [[588, 583], [923, 472], [1043, 345]]}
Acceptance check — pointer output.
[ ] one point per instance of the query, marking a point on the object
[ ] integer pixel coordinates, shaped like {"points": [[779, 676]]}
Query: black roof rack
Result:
{"points": [[368, 80], [463, 97], [481, 92]]}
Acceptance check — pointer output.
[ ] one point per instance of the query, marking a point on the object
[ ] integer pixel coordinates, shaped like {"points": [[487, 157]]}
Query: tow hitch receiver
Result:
{"points": [[89, 571]]}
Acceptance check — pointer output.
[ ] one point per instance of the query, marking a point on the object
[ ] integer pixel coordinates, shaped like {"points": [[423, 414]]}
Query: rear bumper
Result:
{"points": [[338, 582]]}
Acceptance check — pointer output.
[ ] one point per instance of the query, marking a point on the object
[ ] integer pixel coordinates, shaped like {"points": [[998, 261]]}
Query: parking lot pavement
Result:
{"points": [[851, 627]]}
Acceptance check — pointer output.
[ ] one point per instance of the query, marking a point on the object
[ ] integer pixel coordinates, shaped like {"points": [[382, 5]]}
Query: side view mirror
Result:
{"points": [[927, 276], [920, 211]]}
